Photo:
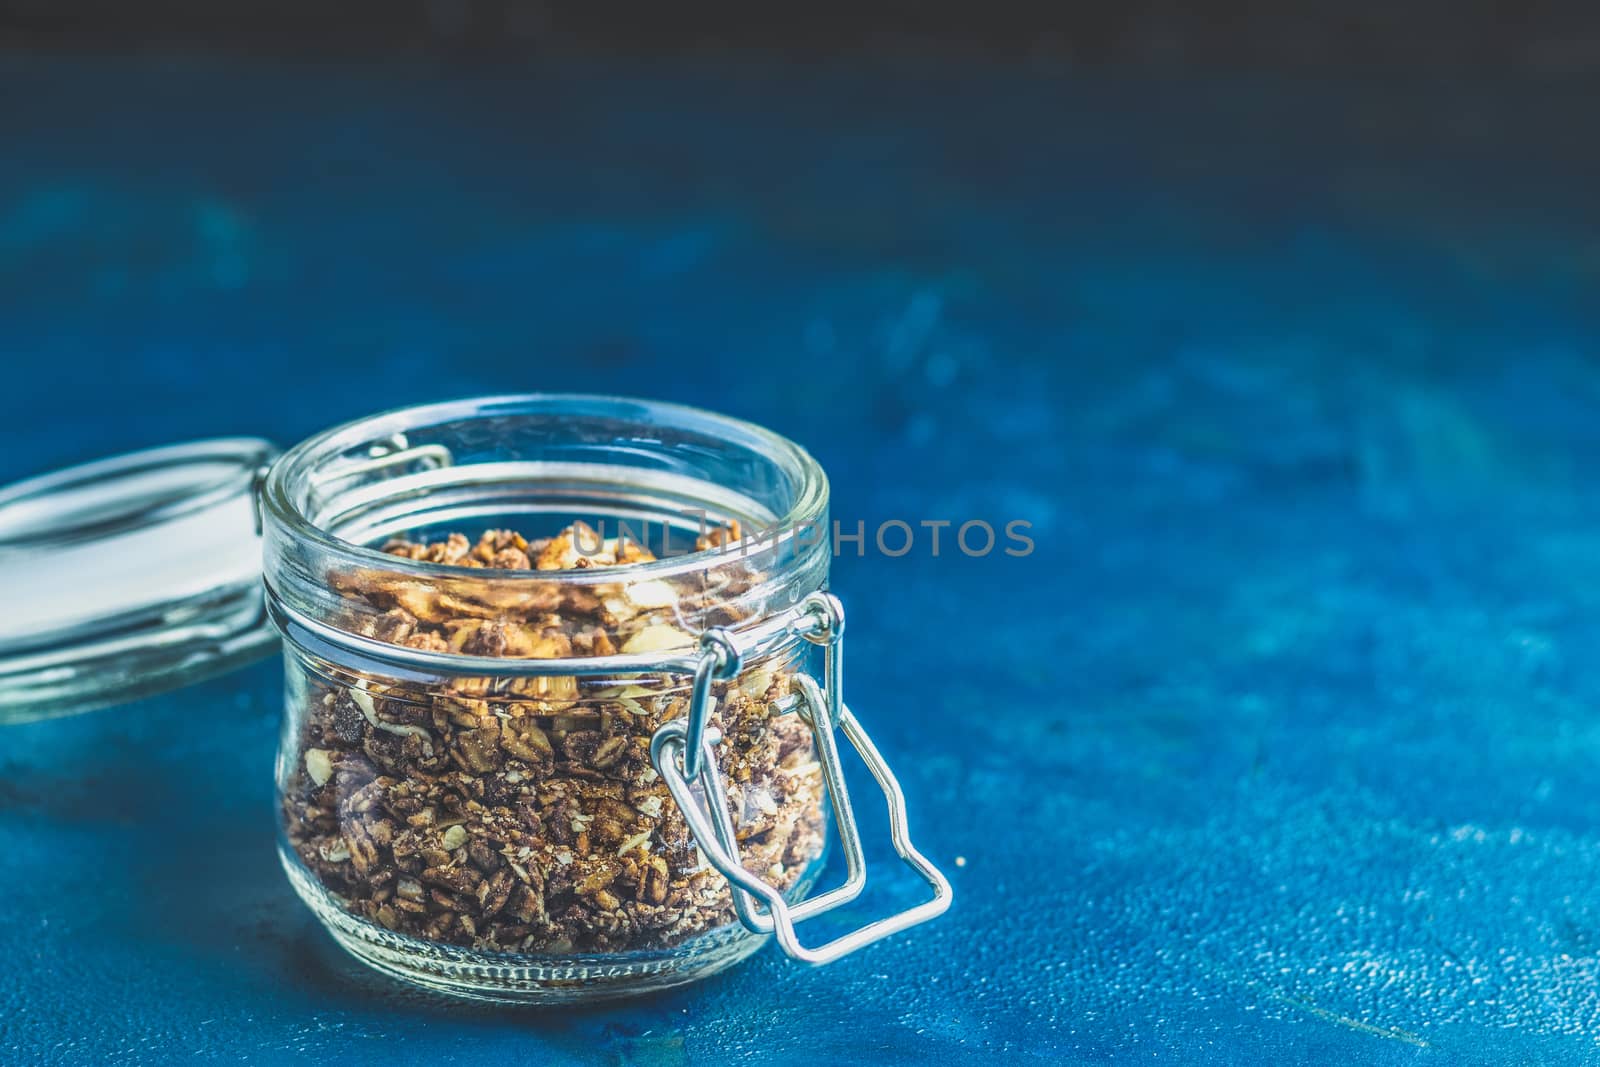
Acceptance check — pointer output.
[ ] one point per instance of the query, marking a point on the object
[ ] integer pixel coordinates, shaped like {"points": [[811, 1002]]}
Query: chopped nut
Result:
{"points": [[718, 537], [634, 842], [651, 594], [657, 637], [763, 802], [650, 807], [510, 559]]}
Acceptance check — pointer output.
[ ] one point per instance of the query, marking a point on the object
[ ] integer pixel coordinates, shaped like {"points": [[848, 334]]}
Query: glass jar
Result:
{"points": [[563, 679]]}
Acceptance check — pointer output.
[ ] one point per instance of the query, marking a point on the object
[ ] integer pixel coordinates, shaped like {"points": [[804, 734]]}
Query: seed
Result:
{"points": [[319, 765]]}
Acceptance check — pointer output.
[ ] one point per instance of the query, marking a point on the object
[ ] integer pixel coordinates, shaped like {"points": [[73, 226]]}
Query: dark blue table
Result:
{"points": [[1281, 747]]}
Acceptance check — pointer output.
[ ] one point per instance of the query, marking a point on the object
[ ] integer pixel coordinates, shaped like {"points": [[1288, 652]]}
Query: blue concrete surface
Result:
{"points": [[1281, 747]]}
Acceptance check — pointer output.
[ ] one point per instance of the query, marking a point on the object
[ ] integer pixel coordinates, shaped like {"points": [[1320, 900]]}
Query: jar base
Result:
{"points": [[515, 978]]}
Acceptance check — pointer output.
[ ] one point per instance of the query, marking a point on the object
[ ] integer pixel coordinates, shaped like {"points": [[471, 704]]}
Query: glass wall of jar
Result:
{"points": [[500, 617]]}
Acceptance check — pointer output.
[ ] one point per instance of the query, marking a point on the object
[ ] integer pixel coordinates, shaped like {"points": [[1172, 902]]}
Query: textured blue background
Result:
{"points": [[1280, 748]]}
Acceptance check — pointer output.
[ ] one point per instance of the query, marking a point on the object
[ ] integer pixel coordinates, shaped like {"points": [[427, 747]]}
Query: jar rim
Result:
{"points": [[807, 508]]}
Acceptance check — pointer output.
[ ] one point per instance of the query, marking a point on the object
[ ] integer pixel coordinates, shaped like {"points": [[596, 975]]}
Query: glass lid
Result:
{"points": [[130, 576]]}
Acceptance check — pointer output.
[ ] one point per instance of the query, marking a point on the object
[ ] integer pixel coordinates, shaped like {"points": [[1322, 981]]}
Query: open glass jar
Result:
{"points": [[554, 728]]}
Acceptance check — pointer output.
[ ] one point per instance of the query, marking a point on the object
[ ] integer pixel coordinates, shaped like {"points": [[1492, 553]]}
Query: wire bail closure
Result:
{"points": [[688, 742], [720, 660]]}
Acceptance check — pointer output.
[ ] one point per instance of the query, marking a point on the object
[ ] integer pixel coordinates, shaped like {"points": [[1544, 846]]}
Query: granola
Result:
{"points": [[524, 814]]}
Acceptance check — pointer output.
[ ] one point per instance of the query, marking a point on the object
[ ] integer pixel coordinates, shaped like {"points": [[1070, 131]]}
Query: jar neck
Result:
{"points": [[655, 474]]}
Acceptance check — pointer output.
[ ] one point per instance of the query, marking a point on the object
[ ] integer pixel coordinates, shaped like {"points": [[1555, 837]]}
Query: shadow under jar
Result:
{"points": [[554, 728]]}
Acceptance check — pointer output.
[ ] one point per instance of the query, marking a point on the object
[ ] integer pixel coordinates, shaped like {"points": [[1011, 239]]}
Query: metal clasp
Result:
{"points": [[682, 754], [393, 451]]}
